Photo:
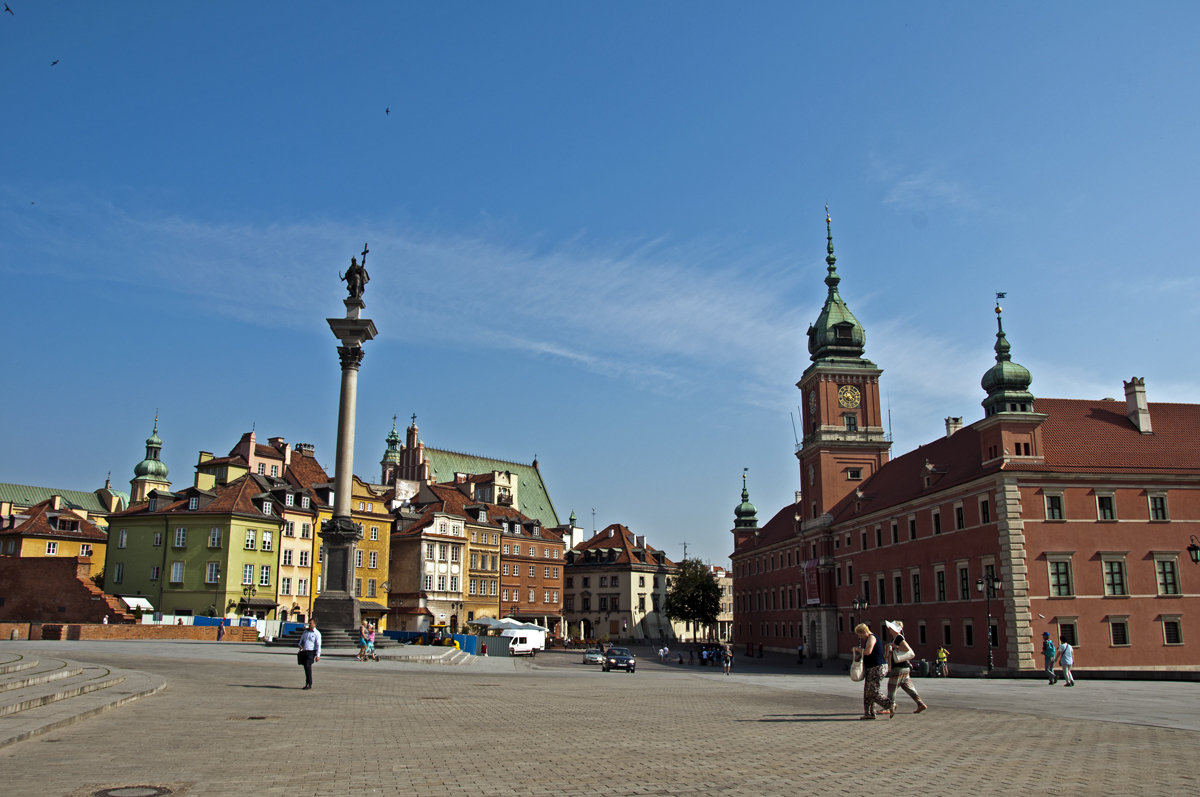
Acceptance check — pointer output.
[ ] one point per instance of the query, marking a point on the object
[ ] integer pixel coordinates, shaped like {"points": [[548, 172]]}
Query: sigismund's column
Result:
{"points": [[336, 607]]}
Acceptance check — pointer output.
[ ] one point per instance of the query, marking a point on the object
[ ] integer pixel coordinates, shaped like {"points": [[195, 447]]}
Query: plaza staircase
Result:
{"points": [[39, 694], [333, 638]]}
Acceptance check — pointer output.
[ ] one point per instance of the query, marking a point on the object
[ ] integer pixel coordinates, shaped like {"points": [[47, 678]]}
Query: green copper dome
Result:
{"points": [[1006, 382], [152, 468], [836, 334], [745, 514], [393, 445]]}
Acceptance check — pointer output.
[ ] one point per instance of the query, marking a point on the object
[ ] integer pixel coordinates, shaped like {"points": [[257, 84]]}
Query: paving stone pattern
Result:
{"points": [[233, 721]]}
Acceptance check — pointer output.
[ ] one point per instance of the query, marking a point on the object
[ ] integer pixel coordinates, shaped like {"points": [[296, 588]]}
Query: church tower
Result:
{"points": [[844, 441], [390, 464], [151, 473]]}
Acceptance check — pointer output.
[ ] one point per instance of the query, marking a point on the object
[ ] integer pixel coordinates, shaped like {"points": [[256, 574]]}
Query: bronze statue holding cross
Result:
{"points": [[356, 277]]}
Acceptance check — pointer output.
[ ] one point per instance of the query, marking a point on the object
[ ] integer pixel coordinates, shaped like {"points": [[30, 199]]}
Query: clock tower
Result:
{"points": [[844, 441]]}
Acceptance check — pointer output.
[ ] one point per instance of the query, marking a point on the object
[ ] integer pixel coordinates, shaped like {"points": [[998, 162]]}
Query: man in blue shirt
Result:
{"points": [[1048, 656], [310, 650]]}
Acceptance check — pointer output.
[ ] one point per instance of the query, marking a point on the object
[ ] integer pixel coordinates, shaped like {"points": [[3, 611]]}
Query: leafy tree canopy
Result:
{"points": [[695, 595]]}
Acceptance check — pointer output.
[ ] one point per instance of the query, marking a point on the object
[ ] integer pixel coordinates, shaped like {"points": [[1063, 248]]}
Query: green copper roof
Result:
{"points": [[152, 468], [1006, 382], [24, 495], [392, 454], [745, 514], [836, 337], [533, 500]]}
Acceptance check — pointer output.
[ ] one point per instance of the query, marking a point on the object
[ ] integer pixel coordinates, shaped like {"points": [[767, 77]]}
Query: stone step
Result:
{"points": [[38, 705], [17, 665], [34, 676]]}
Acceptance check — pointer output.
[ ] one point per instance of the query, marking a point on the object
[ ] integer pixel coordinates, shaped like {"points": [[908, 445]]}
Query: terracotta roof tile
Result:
{"points": [[42, 521]]}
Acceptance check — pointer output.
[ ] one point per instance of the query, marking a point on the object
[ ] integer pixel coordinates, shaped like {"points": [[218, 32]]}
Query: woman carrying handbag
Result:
{"points": [[899, 653], [873, 662]]}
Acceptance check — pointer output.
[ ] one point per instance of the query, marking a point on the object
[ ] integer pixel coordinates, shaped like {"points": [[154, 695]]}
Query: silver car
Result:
{"points": [[593, 656]]}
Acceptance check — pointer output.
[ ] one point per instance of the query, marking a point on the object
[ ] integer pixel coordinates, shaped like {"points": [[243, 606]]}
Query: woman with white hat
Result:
{"points": [[899, 652]]}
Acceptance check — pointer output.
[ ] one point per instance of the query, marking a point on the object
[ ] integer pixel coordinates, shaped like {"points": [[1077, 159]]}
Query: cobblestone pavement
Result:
{"points": [[233, 721]]}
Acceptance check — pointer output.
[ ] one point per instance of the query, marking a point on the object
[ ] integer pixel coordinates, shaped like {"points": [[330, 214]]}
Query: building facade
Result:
{"points": [[1065, 516]]}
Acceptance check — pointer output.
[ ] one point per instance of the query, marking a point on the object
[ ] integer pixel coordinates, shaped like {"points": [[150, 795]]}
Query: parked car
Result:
{"points": [[593, 656], [619, 659]]}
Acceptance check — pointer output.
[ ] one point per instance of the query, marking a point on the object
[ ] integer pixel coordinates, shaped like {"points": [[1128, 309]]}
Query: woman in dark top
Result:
{"points": [[899, 672], [873, 663]]}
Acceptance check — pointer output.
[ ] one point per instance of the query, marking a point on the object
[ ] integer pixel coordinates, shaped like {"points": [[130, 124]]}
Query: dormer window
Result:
{"points": [[304, 502], [153, 505], [483, 516], [193, 503], [289, 500], [274, 470], [262, 469], [266, 507]]}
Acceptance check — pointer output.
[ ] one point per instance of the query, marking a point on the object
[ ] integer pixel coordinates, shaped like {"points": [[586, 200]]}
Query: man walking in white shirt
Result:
{"points": [[1066, 657], [310, 650]]}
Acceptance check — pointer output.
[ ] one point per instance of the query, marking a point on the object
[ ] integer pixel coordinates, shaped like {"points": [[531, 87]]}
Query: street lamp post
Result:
{"points": [[992, 584], [1194, 550]]}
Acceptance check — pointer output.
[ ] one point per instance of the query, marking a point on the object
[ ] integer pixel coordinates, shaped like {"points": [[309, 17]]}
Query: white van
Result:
{"points": [[522, 642]]}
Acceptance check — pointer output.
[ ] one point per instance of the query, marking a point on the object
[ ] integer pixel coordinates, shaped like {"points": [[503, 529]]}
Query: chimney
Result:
{"points": [[56, 502], [1136, 408], [953, 425], [639, 541]]}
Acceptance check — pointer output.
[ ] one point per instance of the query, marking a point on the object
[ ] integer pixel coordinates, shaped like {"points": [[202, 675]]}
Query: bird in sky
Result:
{"points": [[387, 111], [9, 10], [54, 62]]}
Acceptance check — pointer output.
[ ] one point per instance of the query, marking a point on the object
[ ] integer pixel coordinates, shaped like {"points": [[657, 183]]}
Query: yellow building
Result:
{"points": [[49, 528], [369, 509]]}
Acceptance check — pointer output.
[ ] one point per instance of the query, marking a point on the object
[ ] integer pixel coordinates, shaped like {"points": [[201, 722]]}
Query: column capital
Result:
{"points": [[351, 357]]}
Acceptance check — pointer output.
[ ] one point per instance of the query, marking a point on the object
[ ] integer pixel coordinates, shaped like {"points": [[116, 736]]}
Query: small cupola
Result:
{"points": [[745, 514], [1006, 383]]}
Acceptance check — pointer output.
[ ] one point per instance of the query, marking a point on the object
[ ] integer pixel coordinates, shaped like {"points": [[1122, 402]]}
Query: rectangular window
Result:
{"points": [[898, 588], [1172, 631], [443, 552], [154, 572], [304, 558], [882, 592], [505, 549], [964, 583], [454, 583], [946, 638], [287, 557], [937, 522], [1158, 507], [968, 634], [374, 533], [546, 572], [1114, 577], [180, 538], [285, 583], [912, 528], [1066, 630], [304, 502], [455, 552], [267, 541], [358, 558], [441, 583], [959, 518], [504, 596], [1054, 507], [532, 552], [985, 511], [51, 548], [289, 529], [895, 533], [251, 539], [505, 569], [247, 575], [429, 550], [939, 578], [267, 507], [428, 583], [302, 586], [370, 588], [119, 573], [1119, 631], [1060, 578], [289, 499], [492, 591], [532, 571], [176, 572], [157, 538], [214, 537], [604, 581], [358, 587], [473, 584], [1105, 509], [569, 603], [212, 572], [373, 560], [305, 529], [916, 587], [1168, 579]]}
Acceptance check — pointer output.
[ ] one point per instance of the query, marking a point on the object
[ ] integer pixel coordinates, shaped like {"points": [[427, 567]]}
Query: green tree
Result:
{"points": [[695, 596]]}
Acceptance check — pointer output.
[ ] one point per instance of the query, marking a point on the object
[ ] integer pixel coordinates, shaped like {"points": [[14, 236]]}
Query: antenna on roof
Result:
{"points": [[795, 436]]}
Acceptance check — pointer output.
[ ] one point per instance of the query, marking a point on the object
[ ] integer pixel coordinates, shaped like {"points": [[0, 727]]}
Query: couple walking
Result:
{"points": [[895, 655]]}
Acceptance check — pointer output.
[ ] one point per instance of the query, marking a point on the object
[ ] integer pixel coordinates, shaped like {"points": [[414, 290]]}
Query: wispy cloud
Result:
{"points": [[922, 188]]}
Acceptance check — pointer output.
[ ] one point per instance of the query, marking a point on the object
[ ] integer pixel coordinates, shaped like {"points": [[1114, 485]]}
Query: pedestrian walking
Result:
{"points": [[1048, 656], [727, 659], [310, 651], [370, 649], [943, 661], [1066, 658], [899, 653], [873, 666], [800, 651], [362, 640]]}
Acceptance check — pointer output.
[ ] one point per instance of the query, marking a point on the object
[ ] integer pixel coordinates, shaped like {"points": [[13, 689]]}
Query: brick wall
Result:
{"points": [[93, 631], [54, 589]]}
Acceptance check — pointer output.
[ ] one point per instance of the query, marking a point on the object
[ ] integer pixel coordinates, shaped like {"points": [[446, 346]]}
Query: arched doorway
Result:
{"points": [[454, 624]]}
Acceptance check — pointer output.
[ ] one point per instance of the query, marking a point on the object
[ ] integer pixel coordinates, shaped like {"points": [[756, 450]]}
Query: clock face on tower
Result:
{"points": [[812, 402], [848, 396]]}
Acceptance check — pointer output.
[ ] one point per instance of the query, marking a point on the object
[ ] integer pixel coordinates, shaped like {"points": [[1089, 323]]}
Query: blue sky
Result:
{"points": [[597, 230]]}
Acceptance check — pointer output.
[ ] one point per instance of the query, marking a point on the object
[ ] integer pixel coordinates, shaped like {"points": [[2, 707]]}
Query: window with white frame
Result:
{"points": [[492, 591], [289, 529], [374, 533], [1106, 507], [428, 583], [305, 530], [532, 551], [1113, 568], [303, 558], [455, 552], [1158, 506], [154, 572], [262, 469], [1166, 573], [121, 538], [358, 558], [181, 538], [251, 539], [264, 576], [176, 572], [193, 503], [1172, 625], [285, 585], [1068, 630], [1058, 566], [505, 596], [158, 535], [51, 548], [289, 499], [532, 571], [358, 587], [373, 560], [304, 502], [473, 584], [267, 540], [443, 552], [441, 583], [1118, 630], [532, 596], [1054, 506], [302, 586], [267, 508], [287, 557], [247, 575], [370, 588], [454, 583], [212, 572], [214, 537]]}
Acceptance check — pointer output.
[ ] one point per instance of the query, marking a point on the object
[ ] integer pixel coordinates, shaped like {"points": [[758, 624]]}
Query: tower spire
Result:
{"points": [[745, 514], [831, 279], [1006, 382]]}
